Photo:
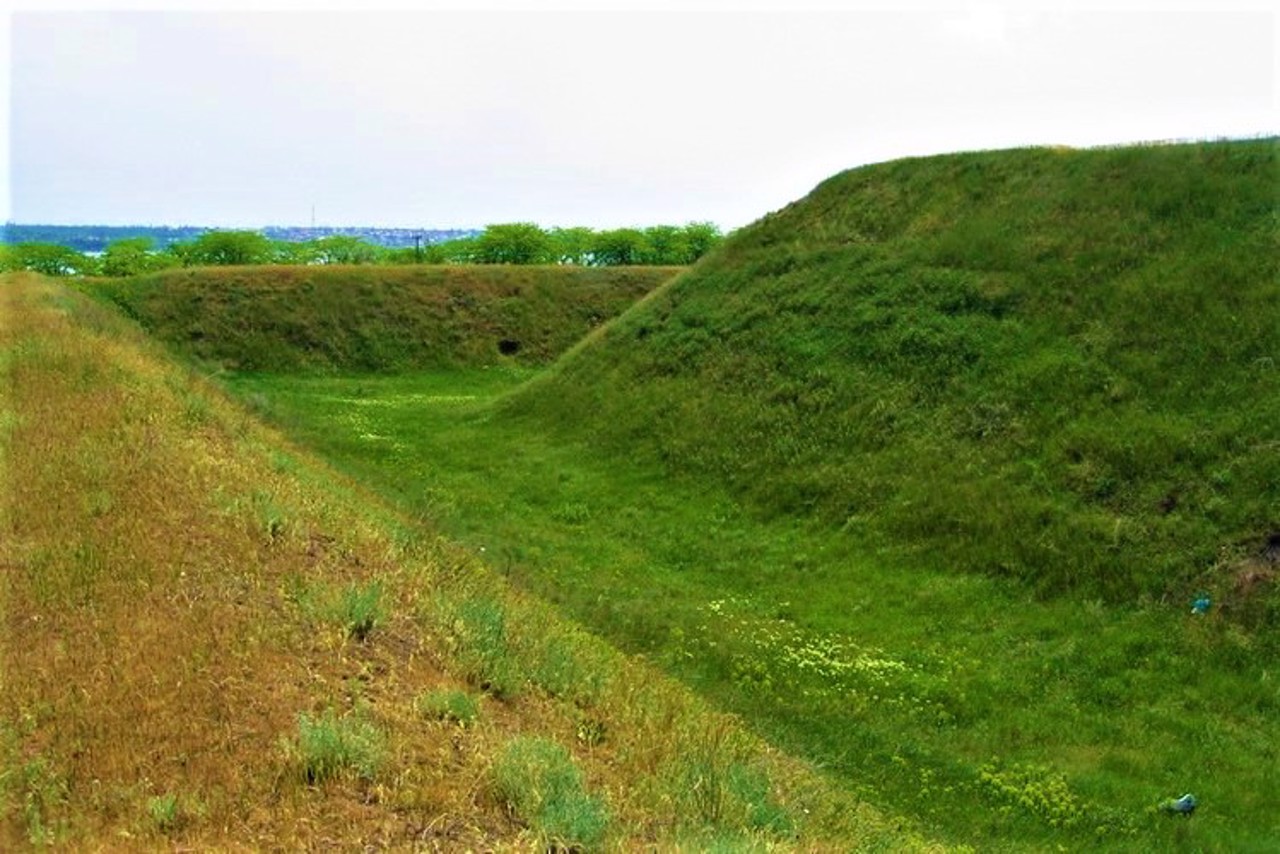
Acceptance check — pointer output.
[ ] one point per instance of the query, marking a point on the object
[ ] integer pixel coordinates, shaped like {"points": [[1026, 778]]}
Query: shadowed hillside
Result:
{"points": [[1057, 365], [366, 318]]}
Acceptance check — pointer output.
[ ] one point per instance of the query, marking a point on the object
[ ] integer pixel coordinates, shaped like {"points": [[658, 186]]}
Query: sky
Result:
{"points": [[630, 115]]}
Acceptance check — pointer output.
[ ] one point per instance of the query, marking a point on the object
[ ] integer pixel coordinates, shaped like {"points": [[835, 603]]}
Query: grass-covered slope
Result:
{"points": [[210, 642], [365, 318], [1058, 365]]}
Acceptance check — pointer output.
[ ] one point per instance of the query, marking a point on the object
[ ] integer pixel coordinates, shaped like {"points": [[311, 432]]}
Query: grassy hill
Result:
{"points": [[377, 318], [918, 476], [210, 641], [1053, 365]]}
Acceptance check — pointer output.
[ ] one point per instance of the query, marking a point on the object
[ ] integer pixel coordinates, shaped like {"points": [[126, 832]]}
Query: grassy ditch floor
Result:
{"points": [[209, 641], [998, 719]]}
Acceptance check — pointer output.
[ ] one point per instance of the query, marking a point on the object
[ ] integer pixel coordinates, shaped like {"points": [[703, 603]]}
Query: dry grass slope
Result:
{"points": [[165, 667], [149, 648]]}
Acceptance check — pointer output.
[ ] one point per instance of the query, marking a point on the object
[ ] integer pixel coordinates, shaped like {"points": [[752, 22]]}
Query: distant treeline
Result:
{"points": [[509, 243], [95, 239]]}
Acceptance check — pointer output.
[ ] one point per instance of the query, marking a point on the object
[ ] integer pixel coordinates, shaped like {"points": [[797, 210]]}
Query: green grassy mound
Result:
{"points": [[359, 318], [1055, 365]]}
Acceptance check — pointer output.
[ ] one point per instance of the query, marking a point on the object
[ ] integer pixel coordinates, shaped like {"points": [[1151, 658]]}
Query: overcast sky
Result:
{"points": [[461, 119]]}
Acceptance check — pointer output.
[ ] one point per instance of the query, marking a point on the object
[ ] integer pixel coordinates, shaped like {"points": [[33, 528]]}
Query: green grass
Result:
{"points": [[449, 704], [43, 794], [136, 665], [540, 781], [919, 475], [356, 608], [164, 812], [1055, 366], [476, 632], [376, 318], [943, 695], [329, 746]]}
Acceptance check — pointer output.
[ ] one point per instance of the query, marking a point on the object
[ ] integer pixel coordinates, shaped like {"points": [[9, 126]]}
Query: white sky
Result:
{"points": [[638, 116]]}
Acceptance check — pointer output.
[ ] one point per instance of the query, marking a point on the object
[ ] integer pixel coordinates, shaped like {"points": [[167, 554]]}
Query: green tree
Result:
{"points": [[619, 247], [667, 245], [132, 256], [459, 251], [183, 253], [293, 252], [344, 249], [51, 260], [225, 248], [513, 243], [571, 245], [700, 238], [402, 255], [127, 257]]}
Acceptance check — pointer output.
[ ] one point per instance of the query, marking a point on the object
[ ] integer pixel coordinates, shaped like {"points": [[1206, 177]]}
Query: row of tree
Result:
{"points": [[510, 243]]}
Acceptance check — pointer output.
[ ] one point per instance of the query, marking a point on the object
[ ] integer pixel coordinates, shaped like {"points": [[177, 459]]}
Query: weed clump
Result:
{"points": [[360, 610], [328, 746], [1036, 791], [539, 781], [477, 630], [164, 812], [563, 668], [728, 794], [357, 608], [449, 705], [43, 792]]}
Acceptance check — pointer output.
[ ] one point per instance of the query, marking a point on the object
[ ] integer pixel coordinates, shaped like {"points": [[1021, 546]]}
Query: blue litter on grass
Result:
{"points": [[1201, 605], [1184, 805]]}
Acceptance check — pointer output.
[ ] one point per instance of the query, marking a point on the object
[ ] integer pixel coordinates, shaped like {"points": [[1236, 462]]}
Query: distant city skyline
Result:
{"points": [[450, 119]]}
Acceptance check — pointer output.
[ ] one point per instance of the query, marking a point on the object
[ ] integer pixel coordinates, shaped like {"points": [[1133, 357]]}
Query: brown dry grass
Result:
{"points": [[152, 644], [149, 647]]}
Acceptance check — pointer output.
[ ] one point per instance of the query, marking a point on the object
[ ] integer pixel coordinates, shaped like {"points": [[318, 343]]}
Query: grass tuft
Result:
{"points": [[44, 794], [449, 704], [476, 628], [539, 780], [329, 746], [357, 608], [360, 609], [164, 812]]}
